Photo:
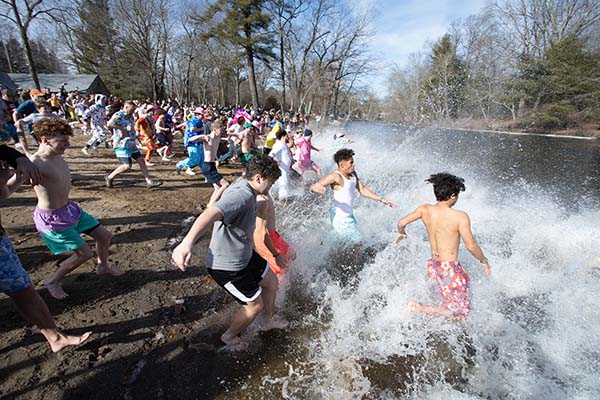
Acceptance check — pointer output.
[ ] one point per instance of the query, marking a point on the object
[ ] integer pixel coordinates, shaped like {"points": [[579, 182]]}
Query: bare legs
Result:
{"points": [[125, 167], [248, 313], [34, 310], [79, 256], [54, 282], [103, 238]]}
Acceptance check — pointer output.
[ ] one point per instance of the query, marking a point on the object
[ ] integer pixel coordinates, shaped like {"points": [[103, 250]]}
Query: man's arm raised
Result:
{"points": [[404, 221], [182, 254], [464, 229], [321, 186]]}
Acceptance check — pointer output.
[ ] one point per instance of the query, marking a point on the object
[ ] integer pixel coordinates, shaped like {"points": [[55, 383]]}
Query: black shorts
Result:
{"points": [[128, 160], [243, 285], [209, 169]]}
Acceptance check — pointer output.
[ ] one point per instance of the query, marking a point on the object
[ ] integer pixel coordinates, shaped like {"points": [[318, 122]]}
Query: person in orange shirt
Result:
{"points": [[146, 130]]}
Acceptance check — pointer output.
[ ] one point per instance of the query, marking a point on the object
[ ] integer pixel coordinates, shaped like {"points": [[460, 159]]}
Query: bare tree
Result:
{"points": [[23, 13]]}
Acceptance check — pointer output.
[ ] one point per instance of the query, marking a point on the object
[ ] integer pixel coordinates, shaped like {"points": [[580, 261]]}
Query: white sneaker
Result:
{"points": [[190, 171], [85, 151], [18, 146], [166, 158], [148, 163]]}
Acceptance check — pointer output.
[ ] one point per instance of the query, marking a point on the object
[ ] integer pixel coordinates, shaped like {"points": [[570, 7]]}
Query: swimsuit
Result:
{"points": [[13, 277], [61, 228], [342, 214], [243, 285], [454, 285]]}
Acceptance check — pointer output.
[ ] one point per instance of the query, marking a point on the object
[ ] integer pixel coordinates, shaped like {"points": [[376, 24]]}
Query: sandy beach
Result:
{"points": [[156, 329]]}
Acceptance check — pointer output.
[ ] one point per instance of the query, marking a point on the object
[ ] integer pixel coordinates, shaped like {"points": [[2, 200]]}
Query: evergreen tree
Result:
{"points": [[445, 84], [97, 50], [46, 61], [13, 50], [244, 24]]}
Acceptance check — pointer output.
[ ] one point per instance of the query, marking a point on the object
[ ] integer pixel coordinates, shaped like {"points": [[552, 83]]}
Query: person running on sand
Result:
{"points": [[59, 220], [146, 129], [194, 129], [125, 146], [346, 186], [231, 261], [14, 281], [267, 241], [445, 228], [209, 166], [95, 118]]}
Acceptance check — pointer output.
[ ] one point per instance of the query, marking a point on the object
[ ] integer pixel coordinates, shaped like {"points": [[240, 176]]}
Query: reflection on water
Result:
{"points": [[534, 206]]}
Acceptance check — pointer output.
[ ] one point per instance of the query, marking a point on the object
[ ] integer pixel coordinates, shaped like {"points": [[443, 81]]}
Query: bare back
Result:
{"points": [[53, 190], [211, 147], [442, 224]]}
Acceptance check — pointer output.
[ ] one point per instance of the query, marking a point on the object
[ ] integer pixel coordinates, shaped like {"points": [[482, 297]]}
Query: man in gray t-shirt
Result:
{"points": [[231, 260]]}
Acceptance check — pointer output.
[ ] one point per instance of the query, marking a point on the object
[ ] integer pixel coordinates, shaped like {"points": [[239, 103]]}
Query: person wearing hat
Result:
{"points": [[194, 129], [146, 129], [23, 110], [95, 119]]}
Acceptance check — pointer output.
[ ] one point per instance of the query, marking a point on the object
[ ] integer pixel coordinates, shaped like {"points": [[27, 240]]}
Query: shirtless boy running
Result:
{"points": [[445, 228], [209, 166], [61, 221]]}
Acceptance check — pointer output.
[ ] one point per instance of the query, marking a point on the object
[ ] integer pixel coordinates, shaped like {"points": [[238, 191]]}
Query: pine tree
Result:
{"points": [[96, 42], [445, 85], [244, 24], [13, 50]]}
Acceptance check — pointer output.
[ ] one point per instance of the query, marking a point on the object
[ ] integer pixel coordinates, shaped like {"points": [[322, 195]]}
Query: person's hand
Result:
{"points": [[27, 172], [182, 255], [388, 203], [401, 236], [318, 188], [487, 269], [281, 261]]}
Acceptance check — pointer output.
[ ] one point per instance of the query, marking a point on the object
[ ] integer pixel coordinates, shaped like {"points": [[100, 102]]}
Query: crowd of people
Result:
{"points": [[246, 252]]}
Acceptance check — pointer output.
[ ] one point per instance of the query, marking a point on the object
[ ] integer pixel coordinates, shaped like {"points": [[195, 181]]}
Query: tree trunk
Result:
{"points": [[30, 60], [252, 78], [282, 65]]}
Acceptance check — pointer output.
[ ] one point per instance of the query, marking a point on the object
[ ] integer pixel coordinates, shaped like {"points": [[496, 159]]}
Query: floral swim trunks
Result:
{"points": [[454, 285], [13, 277]]}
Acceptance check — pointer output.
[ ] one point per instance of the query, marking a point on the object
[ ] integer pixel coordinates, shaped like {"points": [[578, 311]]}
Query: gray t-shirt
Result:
{"points": [[230, 246]]}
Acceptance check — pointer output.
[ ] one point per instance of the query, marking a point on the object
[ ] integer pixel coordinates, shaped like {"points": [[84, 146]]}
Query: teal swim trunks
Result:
{"points": [[345, 226], [61, 228]]}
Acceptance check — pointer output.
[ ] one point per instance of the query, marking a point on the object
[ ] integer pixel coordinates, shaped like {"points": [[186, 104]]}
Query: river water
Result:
{"points": [[534, 204]]}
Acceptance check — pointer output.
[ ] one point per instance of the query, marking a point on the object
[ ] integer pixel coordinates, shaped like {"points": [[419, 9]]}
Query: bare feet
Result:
{"points": [[63, 341], [233, 343], [413, 307], [274, 323], [55, 289], [102, 269]]}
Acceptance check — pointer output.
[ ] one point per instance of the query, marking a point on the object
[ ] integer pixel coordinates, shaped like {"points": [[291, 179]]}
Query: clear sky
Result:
{"points": [[403, 27]]}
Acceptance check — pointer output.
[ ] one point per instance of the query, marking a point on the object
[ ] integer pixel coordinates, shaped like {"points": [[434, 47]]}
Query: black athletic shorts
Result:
{"points": [[209, 169], [243, 285]]}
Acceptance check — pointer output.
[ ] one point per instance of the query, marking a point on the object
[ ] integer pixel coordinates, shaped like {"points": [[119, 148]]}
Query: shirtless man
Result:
{"points": [[231, 260], [61, 221], [248, 142], [445, 228], [209, 166], [346, 186], [14, 281]]}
